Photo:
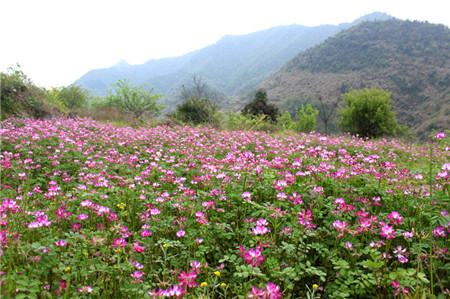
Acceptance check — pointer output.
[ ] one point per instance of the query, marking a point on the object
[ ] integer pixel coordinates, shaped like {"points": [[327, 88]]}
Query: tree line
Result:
{"points": [[365, 112]]}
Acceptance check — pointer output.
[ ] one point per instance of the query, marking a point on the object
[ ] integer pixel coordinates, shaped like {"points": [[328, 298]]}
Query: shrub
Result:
{"points": [[285, 122], [367, 112], [196, 111], [20, 97], [239, 121], [133, 100], [260, 106], [307, 118], [73, 97]]}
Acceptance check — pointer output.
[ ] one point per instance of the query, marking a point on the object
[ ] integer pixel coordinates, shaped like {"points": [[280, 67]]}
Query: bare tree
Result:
{"points": [[327, 111], [197, 90]]}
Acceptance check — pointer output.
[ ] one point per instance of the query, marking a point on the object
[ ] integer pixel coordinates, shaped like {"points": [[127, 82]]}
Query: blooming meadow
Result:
{"points": [[93, 211]]}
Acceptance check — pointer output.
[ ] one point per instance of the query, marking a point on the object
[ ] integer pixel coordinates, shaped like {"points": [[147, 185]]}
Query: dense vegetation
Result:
{"points": [[410, 59], [368, 113], [91, 210]]}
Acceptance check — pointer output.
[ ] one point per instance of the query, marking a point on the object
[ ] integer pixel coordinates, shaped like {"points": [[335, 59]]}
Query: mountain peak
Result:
{"points": [[375, 16], [121, 63]]}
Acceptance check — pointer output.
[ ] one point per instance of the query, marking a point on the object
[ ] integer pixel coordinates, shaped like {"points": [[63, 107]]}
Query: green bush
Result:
{"points": [[73, 97], [285, 122], [307, 118], [133, 100], [368, 113], [260, 106], [21, 98], [239, 121], [196, 111]]}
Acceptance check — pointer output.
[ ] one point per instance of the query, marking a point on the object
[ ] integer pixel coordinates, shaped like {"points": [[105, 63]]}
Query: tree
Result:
{"points": [[197, 103], [285, 121], [368, 112], [20, 97], [260, 106], [73, 96], [326, 112], [307, 118], [134, 100], [196, 111]]}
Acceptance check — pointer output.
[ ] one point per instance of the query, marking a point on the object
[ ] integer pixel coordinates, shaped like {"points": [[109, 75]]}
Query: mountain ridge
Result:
{"points": [[232, 65], [411, 59]]}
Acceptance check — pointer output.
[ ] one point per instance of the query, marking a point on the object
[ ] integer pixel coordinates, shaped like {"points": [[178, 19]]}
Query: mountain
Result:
{"points": [[232, 65], [410, 59]]}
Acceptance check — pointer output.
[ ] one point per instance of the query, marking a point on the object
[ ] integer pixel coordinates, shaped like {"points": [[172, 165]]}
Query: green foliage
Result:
{"points": [[285, 122], [239, 121], [368, 112], [134, 100], [307, 118], [73, 97], [260, 106], [196, 111], [410, 59], [20, 97]]}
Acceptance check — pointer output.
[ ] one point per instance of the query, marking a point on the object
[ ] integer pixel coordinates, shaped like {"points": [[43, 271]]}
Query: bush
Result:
{"points": [[260, 106], [133, 100], [239, 121], [73, 97], [367, 112], [196, 111], [21, 98], [285, 122], [307, 118]]}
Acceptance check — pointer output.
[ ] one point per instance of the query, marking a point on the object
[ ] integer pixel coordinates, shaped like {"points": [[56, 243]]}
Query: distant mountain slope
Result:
{"points": [[233, 65], [410, 59]]}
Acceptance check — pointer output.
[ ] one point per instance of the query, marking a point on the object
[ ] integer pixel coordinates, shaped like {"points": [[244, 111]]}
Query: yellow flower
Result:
{"points": [[166, 245], [223, 284], [204, 284], [121, 206], [67, 269], [217, 273], [315, 286]]}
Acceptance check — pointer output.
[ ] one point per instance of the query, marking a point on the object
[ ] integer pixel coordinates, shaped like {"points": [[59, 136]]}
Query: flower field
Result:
{"points": [[89, 210]]}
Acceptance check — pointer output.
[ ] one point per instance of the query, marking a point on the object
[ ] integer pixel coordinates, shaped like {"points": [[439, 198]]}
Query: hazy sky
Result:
{"points": [[57, 41]]}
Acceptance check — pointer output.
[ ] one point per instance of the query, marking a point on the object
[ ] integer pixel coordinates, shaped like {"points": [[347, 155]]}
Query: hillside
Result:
{"points": [[410, 59], [233, 65]]}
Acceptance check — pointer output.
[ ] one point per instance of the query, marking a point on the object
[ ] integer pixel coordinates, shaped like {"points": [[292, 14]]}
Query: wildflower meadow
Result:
{"points": [[89, 210]]}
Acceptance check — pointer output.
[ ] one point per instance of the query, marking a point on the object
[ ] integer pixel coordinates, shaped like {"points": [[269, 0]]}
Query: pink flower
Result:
{"points": [[146, 233], [439, 232], [187, 279], [341, 227], [273, 291], [260, 230], [82, 217], [305, 219], [117, 243], [9, 205], [138, 248], [408, 235], [195, 266], [85, 289], [387, 231], [137, 276], [395, 217], [252, 256], [61, 243], [440, 135], [246, 196], [181, 233]]}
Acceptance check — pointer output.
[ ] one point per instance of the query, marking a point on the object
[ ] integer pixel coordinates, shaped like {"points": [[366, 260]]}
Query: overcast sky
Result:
{"points": [[57, 41]]}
